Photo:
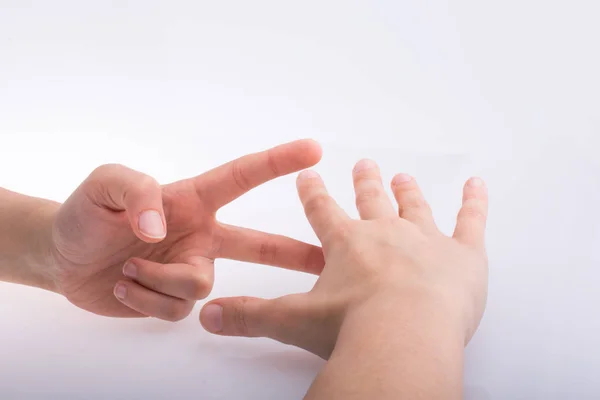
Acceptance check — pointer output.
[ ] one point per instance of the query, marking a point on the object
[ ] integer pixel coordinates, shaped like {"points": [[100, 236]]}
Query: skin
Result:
{"points": [[122, 245], [394, 293], [396, 302]]}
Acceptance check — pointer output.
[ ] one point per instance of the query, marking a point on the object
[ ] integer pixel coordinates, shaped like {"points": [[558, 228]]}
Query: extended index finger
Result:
{"points": [[227, 182], [323, 213]]}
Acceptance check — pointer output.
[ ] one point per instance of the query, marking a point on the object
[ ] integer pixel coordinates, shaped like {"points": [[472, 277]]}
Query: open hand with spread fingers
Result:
{"points": [[124, 246], [387, 258]]}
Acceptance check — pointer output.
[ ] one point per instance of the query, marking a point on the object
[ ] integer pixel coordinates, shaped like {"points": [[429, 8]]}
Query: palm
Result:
{"points": [[94, 242]]}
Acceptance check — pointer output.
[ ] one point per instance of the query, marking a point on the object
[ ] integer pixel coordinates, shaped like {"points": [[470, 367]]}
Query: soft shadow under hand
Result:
{"points": [[259, 354], [476, 393]]}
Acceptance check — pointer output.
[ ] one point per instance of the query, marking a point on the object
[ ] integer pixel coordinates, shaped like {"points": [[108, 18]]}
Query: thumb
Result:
{"points": [[243, 316], [118, 188], [289, 319]]}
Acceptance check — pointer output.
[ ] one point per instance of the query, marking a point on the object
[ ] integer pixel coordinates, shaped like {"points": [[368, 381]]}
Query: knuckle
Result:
{"points": [[316, 202], [176, 310], [103, 174], [268, 252], [413, 201], [240, 324], [470, 195], [404, 186], [106, 169], [473, 195], [340, 233], [366, 176], [239, 176], [272, 163], [472, 211], [199, 287], [368, 195], [143, 186], [145, 183]]}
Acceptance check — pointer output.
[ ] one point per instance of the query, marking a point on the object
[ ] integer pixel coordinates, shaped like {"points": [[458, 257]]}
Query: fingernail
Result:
{"points": [[120, 291], [130, 270], [151, 224], [308, 174], [213, 318], [401, 178], [364, 165], [476, 182]]}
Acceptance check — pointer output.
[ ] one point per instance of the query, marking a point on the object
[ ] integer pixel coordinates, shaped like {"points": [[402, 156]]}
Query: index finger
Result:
{"points": [[227, 182], [323, 213]]}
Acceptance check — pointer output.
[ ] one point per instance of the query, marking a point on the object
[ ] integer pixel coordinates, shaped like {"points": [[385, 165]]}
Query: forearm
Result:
{"points": [[25, 237], [400, 349]]}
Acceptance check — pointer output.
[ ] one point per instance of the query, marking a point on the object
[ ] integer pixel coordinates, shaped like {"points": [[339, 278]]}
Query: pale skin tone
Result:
{"points": [[124, 246], [392, 310], [396, 302]]}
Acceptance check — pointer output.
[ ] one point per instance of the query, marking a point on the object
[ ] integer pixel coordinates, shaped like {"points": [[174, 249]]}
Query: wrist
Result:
{"points": [[37, 252], [47, 263], [416, 302], [411, 343], [26, 240], [419, 312]]}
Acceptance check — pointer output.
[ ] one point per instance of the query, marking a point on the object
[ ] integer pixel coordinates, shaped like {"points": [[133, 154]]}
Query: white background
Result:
{"points": [[447, 89]]}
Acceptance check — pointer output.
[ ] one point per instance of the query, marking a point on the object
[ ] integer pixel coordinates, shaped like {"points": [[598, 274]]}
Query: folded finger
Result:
{"points": [[189, 281], [151, 303]]}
